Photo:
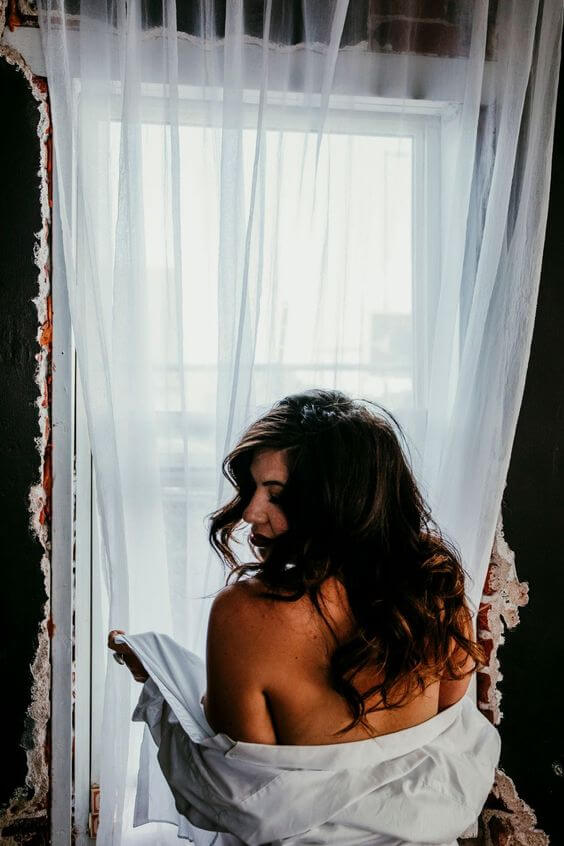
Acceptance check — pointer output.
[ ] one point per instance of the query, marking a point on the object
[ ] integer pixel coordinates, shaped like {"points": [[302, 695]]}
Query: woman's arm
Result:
{"points": [[238, 656], [451, 690]]}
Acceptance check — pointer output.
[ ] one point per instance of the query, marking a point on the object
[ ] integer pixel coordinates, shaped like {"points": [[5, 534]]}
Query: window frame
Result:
{"points": [[370, 116]]}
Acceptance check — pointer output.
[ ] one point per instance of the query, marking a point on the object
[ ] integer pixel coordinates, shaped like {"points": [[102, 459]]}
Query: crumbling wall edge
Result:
{"points": [[22, 807]]}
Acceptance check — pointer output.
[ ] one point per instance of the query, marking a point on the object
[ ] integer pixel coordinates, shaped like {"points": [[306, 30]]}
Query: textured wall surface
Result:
{"points": [[532, 659], [24, 403], [22, 582]]}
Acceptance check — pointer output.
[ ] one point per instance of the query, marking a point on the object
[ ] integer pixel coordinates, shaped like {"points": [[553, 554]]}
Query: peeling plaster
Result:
{"points": [[19, 13], [25, 7], [25, 816], [502, 597], [3, 4], [506, 820]]}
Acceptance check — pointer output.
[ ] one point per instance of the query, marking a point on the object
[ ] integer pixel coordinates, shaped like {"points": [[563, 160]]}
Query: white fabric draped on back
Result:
{"points": [[423, 784], [275, 196]]}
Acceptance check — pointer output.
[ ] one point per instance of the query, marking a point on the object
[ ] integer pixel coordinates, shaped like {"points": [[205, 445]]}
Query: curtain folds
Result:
{"points": [[260, 197]]}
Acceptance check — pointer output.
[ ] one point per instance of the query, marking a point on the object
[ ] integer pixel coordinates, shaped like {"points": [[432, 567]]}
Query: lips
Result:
{"points": [[259, 540]]}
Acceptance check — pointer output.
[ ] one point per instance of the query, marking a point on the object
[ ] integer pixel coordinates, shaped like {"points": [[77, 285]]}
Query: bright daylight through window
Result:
{"points": [[337, 302]]}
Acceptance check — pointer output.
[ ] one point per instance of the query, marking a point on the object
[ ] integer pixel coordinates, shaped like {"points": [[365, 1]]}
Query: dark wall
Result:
{"points": [[532, 659], [22, 595]]}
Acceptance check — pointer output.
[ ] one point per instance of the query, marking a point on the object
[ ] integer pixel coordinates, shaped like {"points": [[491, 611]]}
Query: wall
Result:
{"points": [[24, 339], [532, 659]]}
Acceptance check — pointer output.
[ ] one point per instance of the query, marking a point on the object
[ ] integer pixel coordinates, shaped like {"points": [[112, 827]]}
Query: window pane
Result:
{"points": [[333, 260]]}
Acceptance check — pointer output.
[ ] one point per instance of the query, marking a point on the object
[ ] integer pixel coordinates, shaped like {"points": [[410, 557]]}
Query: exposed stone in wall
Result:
{"points": [[422, 27], [27, 7], [426, 27], [506, 819], [25, 820], [502, 597]]}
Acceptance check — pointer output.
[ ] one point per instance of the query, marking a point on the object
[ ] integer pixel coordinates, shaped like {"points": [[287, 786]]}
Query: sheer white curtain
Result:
{"points": [[260, 197]]}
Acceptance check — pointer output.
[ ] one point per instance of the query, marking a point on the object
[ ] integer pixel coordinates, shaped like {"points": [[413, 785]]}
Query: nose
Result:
{"points": [[254, 513]]}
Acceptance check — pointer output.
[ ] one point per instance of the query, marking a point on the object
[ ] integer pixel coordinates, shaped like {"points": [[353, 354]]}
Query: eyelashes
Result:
{"points": [[276, 500]]}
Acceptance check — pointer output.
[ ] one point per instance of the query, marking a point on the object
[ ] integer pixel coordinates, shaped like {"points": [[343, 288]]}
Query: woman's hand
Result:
{"points": [[124, 655]]}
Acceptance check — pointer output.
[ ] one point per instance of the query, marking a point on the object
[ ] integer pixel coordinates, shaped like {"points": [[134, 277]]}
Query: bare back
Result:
{"points": [[274, 657], [305, 708]]}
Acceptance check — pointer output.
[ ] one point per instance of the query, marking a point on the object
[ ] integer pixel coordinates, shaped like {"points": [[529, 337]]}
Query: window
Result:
{"points": [[379, 202]]}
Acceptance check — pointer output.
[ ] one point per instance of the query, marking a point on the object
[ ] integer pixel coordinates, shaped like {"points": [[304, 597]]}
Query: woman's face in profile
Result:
{"points": [[270, 473]]}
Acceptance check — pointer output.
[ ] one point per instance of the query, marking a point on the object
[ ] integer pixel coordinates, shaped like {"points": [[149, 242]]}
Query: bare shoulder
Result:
{"points": [[246, 625], [232, 601], [245, 602], [245, 633], [248, 599]]}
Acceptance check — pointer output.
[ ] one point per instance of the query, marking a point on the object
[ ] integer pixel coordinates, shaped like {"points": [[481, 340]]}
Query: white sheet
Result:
{"points": [[421, 785]]}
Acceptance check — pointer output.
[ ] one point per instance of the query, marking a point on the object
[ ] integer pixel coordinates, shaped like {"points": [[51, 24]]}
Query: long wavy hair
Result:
{"points": [[355, 513]]}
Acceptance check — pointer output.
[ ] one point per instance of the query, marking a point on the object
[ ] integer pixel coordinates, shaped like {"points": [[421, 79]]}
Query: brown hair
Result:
{"points": [[355, 512]]}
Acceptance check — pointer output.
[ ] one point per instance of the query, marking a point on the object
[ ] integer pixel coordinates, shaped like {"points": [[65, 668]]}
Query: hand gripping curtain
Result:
{"points": [[252, 198]]}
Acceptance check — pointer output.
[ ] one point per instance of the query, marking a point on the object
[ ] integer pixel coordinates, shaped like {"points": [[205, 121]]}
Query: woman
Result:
{"points": [[350, 626]]}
